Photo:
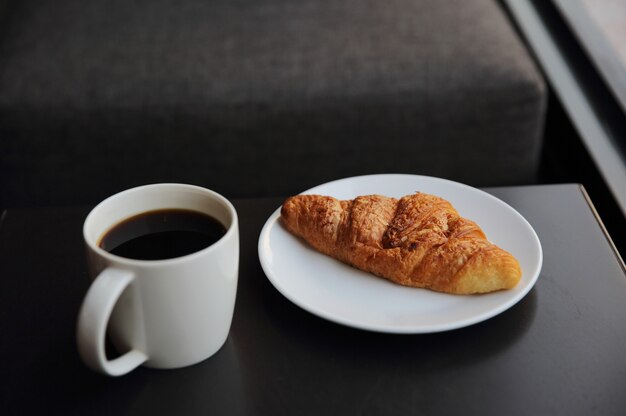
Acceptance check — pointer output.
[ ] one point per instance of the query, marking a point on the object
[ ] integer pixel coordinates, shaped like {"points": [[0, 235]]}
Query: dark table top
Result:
{"points": [[561, 350]]}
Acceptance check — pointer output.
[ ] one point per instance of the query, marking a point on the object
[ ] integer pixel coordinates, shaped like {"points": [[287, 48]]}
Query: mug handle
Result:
{"points": [[92, 324]]}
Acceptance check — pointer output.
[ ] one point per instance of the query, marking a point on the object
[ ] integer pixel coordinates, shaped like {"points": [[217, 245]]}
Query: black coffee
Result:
{"points": [[162, 234]]}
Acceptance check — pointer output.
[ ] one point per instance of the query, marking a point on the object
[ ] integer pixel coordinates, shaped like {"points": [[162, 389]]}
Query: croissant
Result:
{"points": [[419, 240]]}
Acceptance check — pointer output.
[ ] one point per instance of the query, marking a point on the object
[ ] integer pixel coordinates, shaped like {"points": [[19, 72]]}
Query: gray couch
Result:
{"points": [[255, 98]]}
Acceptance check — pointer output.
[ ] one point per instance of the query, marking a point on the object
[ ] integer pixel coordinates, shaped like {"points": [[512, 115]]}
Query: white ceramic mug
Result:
{"points": [[160, 313]]}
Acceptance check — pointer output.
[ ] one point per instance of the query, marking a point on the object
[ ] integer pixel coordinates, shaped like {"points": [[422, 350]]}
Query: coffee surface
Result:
{"points": [[162, 234]]}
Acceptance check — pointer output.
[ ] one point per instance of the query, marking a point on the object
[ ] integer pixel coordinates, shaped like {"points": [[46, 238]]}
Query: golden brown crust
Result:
{"points": [[419, 240]]}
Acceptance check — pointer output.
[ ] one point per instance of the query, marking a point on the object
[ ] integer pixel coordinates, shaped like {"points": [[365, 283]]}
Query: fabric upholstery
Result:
{"points": [[256, 98]]}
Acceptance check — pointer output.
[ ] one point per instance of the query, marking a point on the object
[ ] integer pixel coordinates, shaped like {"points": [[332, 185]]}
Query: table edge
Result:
{"points": [[598, 219]]}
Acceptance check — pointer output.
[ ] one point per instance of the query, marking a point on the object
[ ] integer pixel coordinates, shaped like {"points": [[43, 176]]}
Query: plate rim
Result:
{"points": [[272, 221]]}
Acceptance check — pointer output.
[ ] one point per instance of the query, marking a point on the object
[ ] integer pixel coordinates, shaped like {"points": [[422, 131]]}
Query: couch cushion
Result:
{"points": [[260, 97]]}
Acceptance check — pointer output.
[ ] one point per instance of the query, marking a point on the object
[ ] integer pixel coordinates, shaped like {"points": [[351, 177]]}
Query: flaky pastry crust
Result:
{"points": [[419, 240]]}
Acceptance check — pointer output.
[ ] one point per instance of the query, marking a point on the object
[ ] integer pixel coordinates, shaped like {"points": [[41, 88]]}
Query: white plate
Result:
{"points": [[342, 294]]}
